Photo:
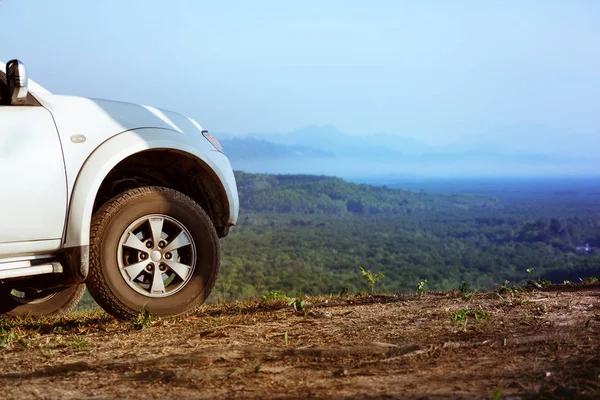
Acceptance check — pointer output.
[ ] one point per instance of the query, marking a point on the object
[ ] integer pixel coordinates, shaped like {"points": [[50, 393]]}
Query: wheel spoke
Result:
{"points": [[156, 226], [135, 243], [180, 240], [181, 270], [158, 286], [134, 270], [162, 242]]}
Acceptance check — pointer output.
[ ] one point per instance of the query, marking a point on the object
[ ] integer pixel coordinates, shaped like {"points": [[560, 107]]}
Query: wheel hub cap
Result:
{"points": [[156, 255]]}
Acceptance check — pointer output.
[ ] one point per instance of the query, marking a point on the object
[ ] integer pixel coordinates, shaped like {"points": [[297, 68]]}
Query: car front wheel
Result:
{"points": [[152, 247]]}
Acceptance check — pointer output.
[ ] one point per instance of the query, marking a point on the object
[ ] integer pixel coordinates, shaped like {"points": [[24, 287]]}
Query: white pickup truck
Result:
{"points": [[127, 199]]}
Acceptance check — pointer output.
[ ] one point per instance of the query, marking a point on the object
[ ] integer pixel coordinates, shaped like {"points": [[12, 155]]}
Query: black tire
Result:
{"points": [[106, 283], [17, 301]]}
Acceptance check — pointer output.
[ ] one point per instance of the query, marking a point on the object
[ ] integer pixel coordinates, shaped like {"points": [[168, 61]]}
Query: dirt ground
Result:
{"points": [[523, 344]]}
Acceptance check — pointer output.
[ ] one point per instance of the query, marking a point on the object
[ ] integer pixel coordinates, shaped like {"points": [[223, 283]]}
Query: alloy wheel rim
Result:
{"points": [[156, 255], [31, 296]]}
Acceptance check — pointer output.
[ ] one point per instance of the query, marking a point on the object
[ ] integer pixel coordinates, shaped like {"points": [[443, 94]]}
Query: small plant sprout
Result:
{"points": [[539, 282], [371, 278], [6, 338], [464, 287], [530, 272], [497, 394], [469, 296], [544, 282], [505, 288], [421, 285], [274, 295], [461, 317], [77, 343], [297, 304], [143, 320]]}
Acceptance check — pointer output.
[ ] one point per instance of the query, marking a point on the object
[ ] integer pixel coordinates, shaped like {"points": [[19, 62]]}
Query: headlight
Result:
{"points": [[213, 140]]}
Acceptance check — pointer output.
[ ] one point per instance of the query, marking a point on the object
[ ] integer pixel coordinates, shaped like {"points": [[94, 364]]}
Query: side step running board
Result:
{"points": [[19, 269]]}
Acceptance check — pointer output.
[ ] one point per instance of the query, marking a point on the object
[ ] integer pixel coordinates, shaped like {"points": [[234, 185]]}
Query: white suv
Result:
{"points": [[127, 198]]}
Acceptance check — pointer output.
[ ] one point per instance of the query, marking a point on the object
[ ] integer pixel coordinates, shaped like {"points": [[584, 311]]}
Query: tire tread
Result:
{"points": [[96, 281]]}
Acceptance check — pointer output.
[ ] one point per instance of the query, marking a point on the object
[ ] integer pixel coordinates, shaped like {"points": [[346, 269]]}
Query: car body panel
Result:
{"points": [[90, 137], [121, 146], [28, 249], [34, 194], [84, 124]]}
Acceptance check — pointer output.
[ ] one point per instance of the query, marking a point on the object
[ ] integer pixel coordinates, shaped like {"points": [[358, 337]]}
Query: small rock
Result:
{"points": [[341, 372], [319, 314]]}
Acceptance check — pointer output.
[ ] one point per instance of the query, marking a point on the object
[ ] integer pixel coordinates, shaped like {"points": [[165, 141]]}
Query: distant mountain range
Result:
{"points": [[522, 150], [257, 149]]}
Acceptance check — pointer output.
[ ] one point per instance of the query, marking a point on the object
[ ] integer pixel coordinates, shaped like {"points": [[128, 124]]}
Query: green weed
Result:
{"points": [[274, 295], [46, 351], [530, 272], [76, 343], [468, 296], [544, 282], [371, 278], [6, 338], [540, 283], [297, 304], [505, 288], [143, 320], [421, 287], [463, 315], [497, 394]]}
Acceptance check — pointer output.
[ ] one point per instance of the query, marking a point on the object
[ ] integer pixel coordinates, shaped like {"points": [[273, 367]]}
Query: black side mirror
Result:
{"points": [[16, 80]]}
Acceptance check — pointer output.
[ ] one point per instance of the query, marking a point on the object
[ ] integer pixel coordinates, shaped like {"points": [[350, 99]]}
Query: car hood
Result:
{"points": [[93, 117], [84, 123]]}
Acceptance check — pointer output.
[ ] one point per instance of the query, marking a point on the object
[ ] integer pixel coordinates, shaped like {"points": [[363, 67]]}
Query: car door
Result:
{"points": [[33, 191]]}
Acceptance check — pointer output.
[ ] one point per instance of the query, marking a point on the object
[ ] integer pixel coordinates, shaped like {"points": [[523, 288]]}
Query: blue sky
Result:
{"points": [[430, 70]]}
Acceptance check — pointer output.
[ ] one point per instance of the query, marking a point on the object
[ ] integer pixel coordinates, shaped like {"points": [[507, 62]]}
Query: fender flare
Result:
{"points": [[110, 153]]}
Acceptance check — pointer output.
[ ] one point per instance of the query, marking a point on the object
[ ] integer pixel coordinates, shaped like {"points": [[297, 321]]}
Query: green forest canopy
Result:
{"points": [[310, 234]]}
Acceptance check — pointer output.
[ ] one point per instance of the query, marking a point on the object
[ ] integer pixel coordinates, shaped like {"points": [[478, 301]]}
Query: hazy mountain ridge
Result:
{"points": [[250, 148], [531, 139], [525, 150]]}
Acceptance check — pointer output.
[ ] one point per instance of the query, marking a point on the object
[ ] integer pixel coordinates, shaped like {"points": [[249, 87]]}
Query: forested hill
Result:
{"points": [[311, 194], [310, 234]]}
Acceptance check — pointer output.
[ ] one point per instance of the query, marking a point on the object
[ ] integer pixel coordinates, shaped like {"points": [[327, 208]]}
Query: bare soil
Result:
{"points": [[524, 344]]}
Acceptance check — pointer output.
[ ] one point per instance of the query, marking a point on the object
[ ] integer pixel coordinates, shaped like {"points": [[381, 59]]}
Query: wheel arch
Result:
{"points": [[210, 180]]}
